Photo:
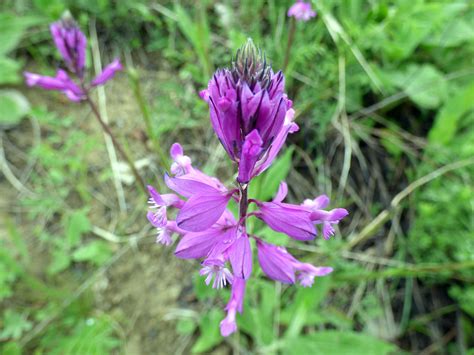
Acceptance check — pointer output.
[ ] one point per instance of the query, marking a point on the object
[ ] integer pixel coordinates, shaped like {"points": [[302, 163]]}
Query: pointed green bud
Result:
{"points": [[250, 65]]}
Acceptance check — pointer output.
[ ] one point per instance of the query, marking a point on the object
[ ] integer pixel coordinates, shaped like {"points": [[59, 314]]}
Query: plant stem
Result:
{"points": [[243, 204], [117, 145], [291, 36]]}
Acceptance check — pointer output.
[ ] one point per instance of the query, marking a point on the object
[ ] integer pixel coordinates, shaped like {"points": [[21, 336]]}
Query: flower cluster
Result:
{"points": [[71, 44], [252, 116], [301, 11]]}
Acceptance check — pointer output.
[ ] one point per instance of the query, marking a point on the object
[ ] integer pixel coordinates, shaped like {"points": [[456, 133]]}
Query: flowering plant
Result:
{"points": [[252, 117], [71, 44]]}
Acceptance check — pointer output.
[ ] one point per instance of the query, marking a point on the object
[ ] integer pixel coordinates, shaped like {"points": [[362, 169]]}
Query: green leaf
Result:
{"points": [[446, 122], [185, 326], [77, 224], [335, 342], [11, 348], [61, 261], [93, 336], [12, 28], [97, 252], [258, 317], [9, 69], [14, 325], [265, 186], [306, 300], [209, 331], [13, 107], [424, 84]]}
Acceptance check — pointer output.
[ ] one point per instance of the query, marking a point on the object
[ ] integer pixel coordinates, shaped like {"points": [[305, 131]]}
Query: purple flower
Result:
{"points": [[61, 82], [181, 163], [301, 11], [326, 218], [281, 266], [107, 73], [293, 220], [248, 107], [252, 118], [71, 44], [158, 204]]}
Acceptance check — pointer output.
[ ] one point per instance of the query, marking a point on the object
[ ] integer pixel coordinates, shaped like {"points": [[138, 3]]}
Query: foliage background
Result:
{"points": [[384, 95]]}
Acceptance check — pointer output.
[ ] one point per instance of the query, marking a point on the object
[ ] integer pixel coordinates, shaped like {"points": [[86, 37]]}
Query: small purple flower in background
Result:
{"points": [[252, 117], [301, 11], [71, 44]]}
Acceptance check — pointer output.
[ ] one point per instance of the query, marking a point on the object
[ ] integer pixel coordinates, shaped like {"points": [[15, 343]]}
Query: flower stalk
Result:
{"points": [[243, 204]]}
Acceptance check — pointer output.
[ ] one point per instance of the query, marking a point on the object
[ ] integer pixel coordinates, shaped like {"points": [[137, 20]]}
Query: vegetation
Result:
{"points": [[383, 93]]}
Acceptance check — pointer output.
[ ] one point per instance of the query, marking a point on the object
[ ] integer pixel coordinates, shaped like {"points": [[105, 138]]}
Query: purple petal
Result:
{"points": [[275, 263], [334, 215], [240, 255], [187, 187], [228, 326], [198, 245], [322, 270], [44, 82], [204, 94], [108, 73], [57, 34], [176, 151], [277, 143], [337, 214], [250, 153], [202, 211], [156, 197], [321, 202], [81, 44], [289, 219], [281, 193], [157, 221]]}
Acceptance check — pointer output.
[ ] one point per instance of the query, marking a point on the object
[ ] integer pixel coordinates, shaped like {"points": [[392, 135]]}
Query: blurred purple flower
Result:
{"points": [[71, 44], [301, 11]]}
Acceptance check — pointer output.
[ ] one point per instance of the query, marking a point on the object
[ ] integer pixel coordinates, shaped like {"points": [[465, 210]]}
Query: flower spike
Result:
{"points": [[252, 117]]}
